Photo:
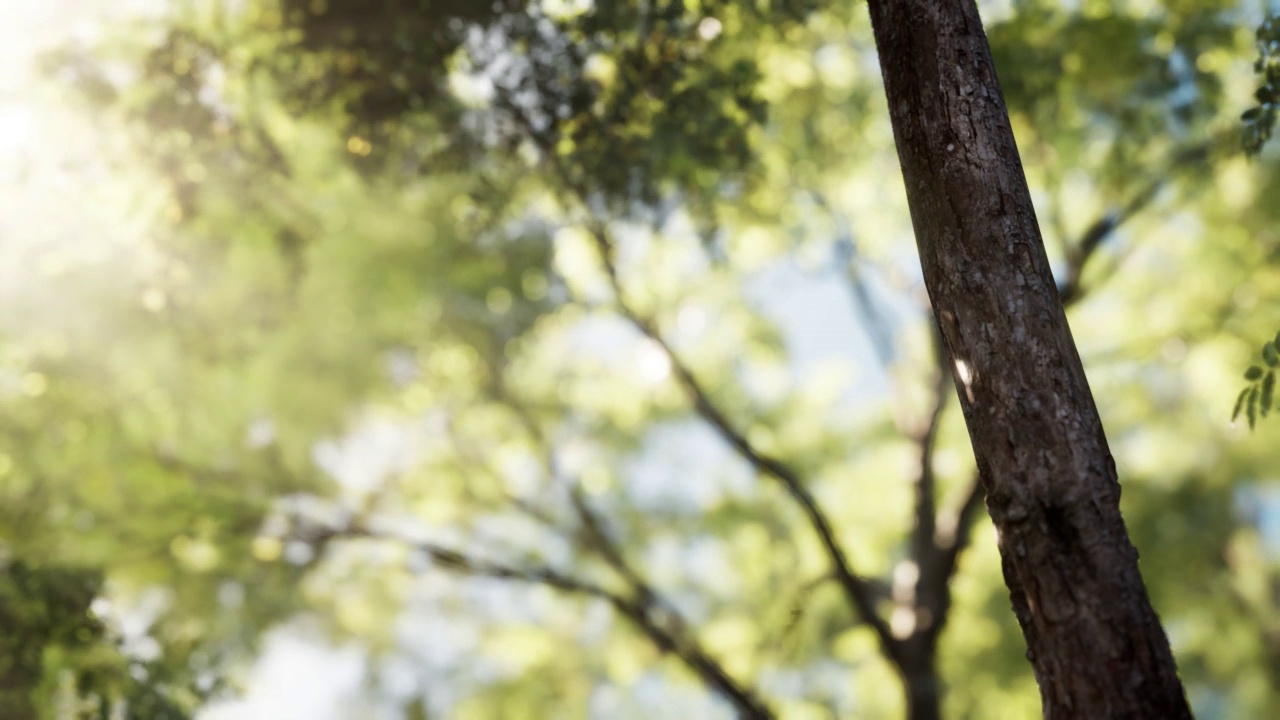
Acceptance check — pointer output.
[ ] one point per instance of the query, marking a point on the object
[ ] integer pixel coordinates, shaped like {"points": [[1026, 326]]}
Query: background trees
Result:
{"points": [[571, 358]]}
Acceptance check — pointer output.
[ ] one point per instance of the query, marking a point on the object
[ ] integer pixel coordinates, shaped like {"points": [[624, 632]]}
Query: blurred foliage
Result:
{"points": [[59, 659], [358, 313]]}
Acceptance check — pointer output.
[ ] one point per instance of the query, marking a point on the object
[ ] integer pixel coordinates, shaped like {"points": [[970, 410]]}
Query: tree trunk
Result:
{"points": [[1094, 641], [917, 666]]}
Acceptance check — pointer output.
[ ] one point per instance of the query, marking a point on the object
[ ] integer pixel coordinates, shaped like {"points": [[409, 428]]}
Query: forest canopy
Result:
{"points": [[571, 358]]}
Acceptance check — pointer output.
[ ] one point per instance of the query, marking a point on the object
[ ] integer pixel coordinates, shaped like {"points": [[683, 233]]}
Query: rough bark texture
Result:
{"points": [[1092, 637]]}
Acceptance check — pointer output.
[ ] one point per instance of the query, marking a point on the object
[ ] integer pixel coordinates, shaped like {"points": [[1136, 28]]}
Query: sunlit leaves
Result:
{"points": [[1140, 69], [379, 218]]}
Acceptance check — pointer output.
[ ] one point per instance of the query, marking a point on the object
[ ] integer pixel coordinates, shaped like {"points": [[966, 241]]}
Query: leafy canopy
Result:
{"points": [[486, 336]]}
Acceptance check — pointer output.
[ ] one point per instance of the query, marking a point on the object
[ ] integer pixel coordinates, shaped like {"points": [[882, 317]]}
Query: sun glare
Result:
{"points": [[68, 199]]}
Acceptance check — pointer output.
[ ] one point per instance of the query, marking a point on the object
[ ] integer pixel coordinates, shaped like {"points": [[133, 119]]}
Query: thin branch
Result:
{"points": [[648, 602], [476, 459], [656, 623], [603, 544], [857, 589], [934, 554], [949, 545], [651, 602], [922, 542], [879, 332], [1105, 226], [881, 591]]}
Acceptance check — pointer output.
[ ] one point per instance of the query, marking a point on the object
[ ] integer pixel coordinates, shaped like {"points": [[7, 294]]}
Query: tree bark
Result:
{"points": [[1093, 639]]}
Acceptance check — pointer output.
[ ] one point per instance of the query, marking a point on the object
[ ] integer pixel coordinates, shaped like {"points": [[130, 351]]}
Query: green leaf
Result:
{"points": [[1251, 409], [1250, 114], [1269, 354], [1268, 389], [1253, 373], [1277, 340], [1239, 404]]}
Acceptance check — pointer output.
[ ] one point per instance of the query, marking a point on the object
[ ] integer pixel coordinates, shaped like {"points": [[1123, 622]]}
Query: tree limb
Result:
{"points": [[1103, 227], [856, 588], [877, 329], [671, 632], [659, 624]]}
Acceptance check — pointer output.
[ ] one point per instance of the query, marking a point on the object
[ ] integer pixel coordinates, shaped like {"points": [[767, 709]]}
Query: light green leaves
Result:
{"points": [[1258, 397]]}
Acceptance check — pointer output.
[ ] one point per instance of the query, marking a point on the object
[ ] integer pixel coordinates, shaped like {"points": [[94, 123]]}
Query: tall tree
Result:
{"points": [[378, 222], [1095, 642]]}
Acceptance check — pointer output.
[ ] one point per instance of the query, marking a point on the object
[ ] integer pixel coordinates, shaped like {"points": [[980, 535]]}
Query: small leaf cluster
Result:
{"points": [[1260, 120], [1256, 399]]}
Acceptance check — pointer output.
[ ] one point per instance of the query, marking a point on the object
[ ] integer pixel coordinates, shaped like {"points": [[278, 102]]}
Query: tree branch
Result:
{"points": [[648, 603], [929, 597], [660, 624], [1103, 227], [953, 536], [922, 542], [856, 588], [877, 329], [859, 592]]}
